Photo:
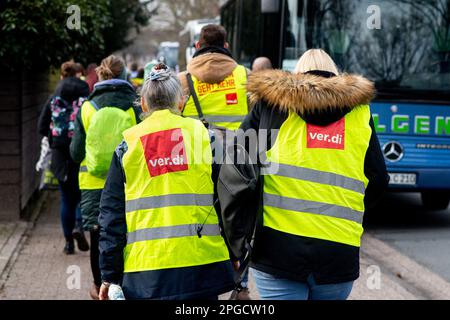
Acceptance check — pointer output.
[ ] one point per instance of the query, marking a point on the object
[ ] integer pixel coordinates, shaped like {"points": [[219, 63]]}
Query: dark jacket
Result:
{"points": [[110, 93], [320, 100], [197, 282], [62, 166]]}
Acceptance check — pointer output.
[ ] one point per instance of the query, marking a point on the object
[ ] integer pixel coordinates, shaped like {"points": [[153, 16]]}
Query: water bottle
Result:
{"points": [[115, 292]]}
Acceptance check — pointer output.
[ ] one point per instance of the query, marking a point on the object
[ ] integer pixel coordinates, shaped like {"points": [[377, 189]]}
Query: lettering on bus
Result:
{"points": [[418, 124]]}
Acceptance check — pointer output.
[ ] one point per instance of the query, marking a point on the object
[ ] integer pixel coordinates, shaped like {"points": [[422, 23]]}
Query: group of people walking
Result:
{"points": [[154, 211]]}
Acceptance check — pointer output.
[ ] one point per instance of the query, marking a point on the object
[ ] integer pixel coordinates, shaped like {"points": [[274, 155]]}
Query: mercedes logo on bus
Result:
{"points": [[393, 151]]}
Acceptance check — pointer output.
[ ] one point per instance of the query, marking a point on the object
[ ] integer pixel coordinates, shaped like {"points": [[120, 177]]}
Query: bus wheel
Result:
{"points": [[435, 200]]}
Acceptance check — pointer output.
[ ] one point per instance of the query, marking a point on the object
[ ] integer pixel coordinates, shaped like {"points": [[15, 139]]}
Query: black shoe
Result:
{"points": [[69, 248], [82, 243], [241, 294]]}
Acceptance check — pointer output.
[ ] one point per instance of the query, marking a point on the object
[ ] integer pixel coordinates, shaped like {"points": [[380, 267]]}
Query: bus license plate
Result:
{"points": [[403, 178]]}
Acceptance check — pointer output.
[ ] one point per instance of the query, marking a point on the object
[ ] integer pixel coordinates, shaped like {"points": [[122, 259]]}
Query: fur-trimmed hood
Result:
{"points": [[307, 93]]}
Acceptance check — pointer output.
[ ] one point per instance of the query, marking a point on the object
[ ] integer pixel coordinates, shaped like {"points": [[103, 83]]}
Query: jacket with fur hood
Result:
{"points": [[320, 98]]}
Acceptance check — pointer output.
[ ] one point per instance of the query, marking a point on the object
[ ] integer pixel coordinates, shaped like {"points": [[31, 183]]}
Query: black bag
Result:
{"points": [[238, 194], [237, 191]]}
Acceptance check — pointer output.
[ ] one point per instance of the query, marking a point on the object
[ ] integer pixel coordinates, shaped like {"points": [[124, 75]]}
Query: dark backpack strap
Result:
{"points": [[245, 264], [96, 107], [240, 274], [195, 98]]}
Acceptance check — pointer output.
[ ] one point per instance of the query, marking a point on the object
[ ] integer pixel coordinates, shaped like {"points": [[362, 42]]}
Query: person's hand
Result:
{"points": [[236, 265], [103, 294]]}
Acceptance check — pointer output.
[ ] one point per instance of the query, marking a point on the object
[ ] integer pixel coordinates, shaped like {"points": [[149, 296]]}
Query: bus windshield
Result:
{"points": [[402, 45], [170, 54]]}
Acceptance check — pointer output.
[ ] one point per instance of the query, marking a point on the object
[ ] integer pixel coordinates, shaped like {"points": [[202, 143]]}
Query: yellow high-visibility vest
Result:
{"points": [[169, 195], [223, 104], [137, 81], [86, 180], [314, 181]]}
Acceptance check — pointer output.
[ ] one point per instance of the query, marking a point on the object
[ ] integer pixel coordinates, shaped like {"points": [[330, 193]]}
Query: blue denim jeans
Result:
{"points": [[274, 288]]}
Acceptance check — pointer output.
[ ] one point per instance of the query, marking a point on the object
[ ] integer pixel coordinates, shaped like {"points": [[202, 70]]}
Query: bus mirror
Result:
{"points": [[270, 6]]}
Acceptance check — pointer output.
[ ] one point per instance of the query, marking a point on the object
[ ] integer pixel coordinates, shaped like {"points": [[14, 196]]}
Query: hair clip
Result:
{"points": [[159, 72]]}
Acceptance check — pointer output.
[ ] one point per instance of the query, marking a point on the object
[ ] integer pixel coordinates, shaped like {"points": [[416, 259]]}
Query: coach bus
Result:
{"points": [[402, 45], [168, 52]]}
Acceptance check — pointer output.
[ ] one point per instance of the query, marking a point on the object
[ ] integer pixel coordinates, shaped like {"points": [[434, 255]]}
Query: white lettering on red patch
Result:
{"points": [[328, 137], [165, 152]]}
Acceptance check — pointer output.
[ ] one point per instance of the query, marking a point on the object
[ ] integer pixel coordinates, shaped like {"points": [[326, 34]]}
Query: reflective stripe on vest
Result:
{"points": [[169, 201], [166, 202], [313, 207], [86, 180], [314, 185], [314, 176], [186, 230], [220, 119], [223, 104]]}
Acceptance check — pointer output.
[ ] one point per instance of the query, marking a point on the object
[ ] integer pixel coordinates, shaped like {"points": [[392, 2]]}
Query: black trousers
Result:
{"points": [[95, 257]]}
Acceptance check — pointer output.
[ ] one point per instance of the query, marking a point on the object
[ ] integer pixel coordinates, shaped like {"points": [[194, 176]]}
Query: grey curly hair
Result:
{"points": [[161, 90]]}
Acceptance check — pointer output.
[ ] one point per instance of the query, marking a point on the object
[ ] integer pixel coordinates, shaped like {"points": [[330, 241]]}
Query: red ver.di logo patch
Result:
{"points": [[165, 152], [328, 137], [231, 98]]}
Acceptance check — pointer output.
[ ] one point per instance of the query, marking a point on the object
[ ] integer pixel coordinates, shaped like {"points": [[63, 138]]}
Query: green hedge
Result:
{"points": [[34, 33]]}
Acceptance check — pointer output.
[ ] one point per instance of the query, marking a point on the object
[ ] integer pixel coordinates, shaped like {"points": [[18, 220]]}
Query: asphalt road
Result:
{"points": [[401, 221]]}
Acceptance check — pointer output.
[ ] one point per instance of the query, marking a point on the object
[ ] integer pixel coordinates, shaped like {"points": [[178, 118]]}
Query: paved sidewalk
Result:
{"points": [[42, 271], [11, 234]]}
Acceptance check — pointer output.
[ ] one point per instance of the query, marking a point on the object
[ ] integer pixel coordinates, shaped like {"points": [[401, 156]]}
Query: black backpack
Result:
{"points": [[238, 191], [62, 123]]}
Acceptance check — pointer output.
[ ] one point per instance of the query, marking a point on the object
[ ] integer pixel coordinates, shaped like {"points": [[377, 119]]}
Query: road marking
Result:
{"points": [[429, 284]]}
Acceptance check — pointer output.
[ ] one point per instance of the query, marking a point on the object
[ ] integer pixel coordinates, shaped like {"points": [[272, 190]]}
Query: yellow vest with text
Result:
{"points": [[166, 203], [223, 104], [86, 180], [314, 181]]}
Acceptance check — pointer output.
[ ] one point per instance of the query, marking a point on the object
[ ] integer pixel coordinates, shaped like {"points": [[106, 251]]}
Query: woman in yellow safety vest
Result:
{"points": [[159, 231], [319, 172], [98, 129]]}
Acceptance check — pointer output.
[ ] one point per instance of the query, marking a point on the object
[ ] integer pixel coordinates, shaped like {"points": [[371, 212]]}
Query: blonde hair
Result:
{"points": [[315, 59], [111, 67]]}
